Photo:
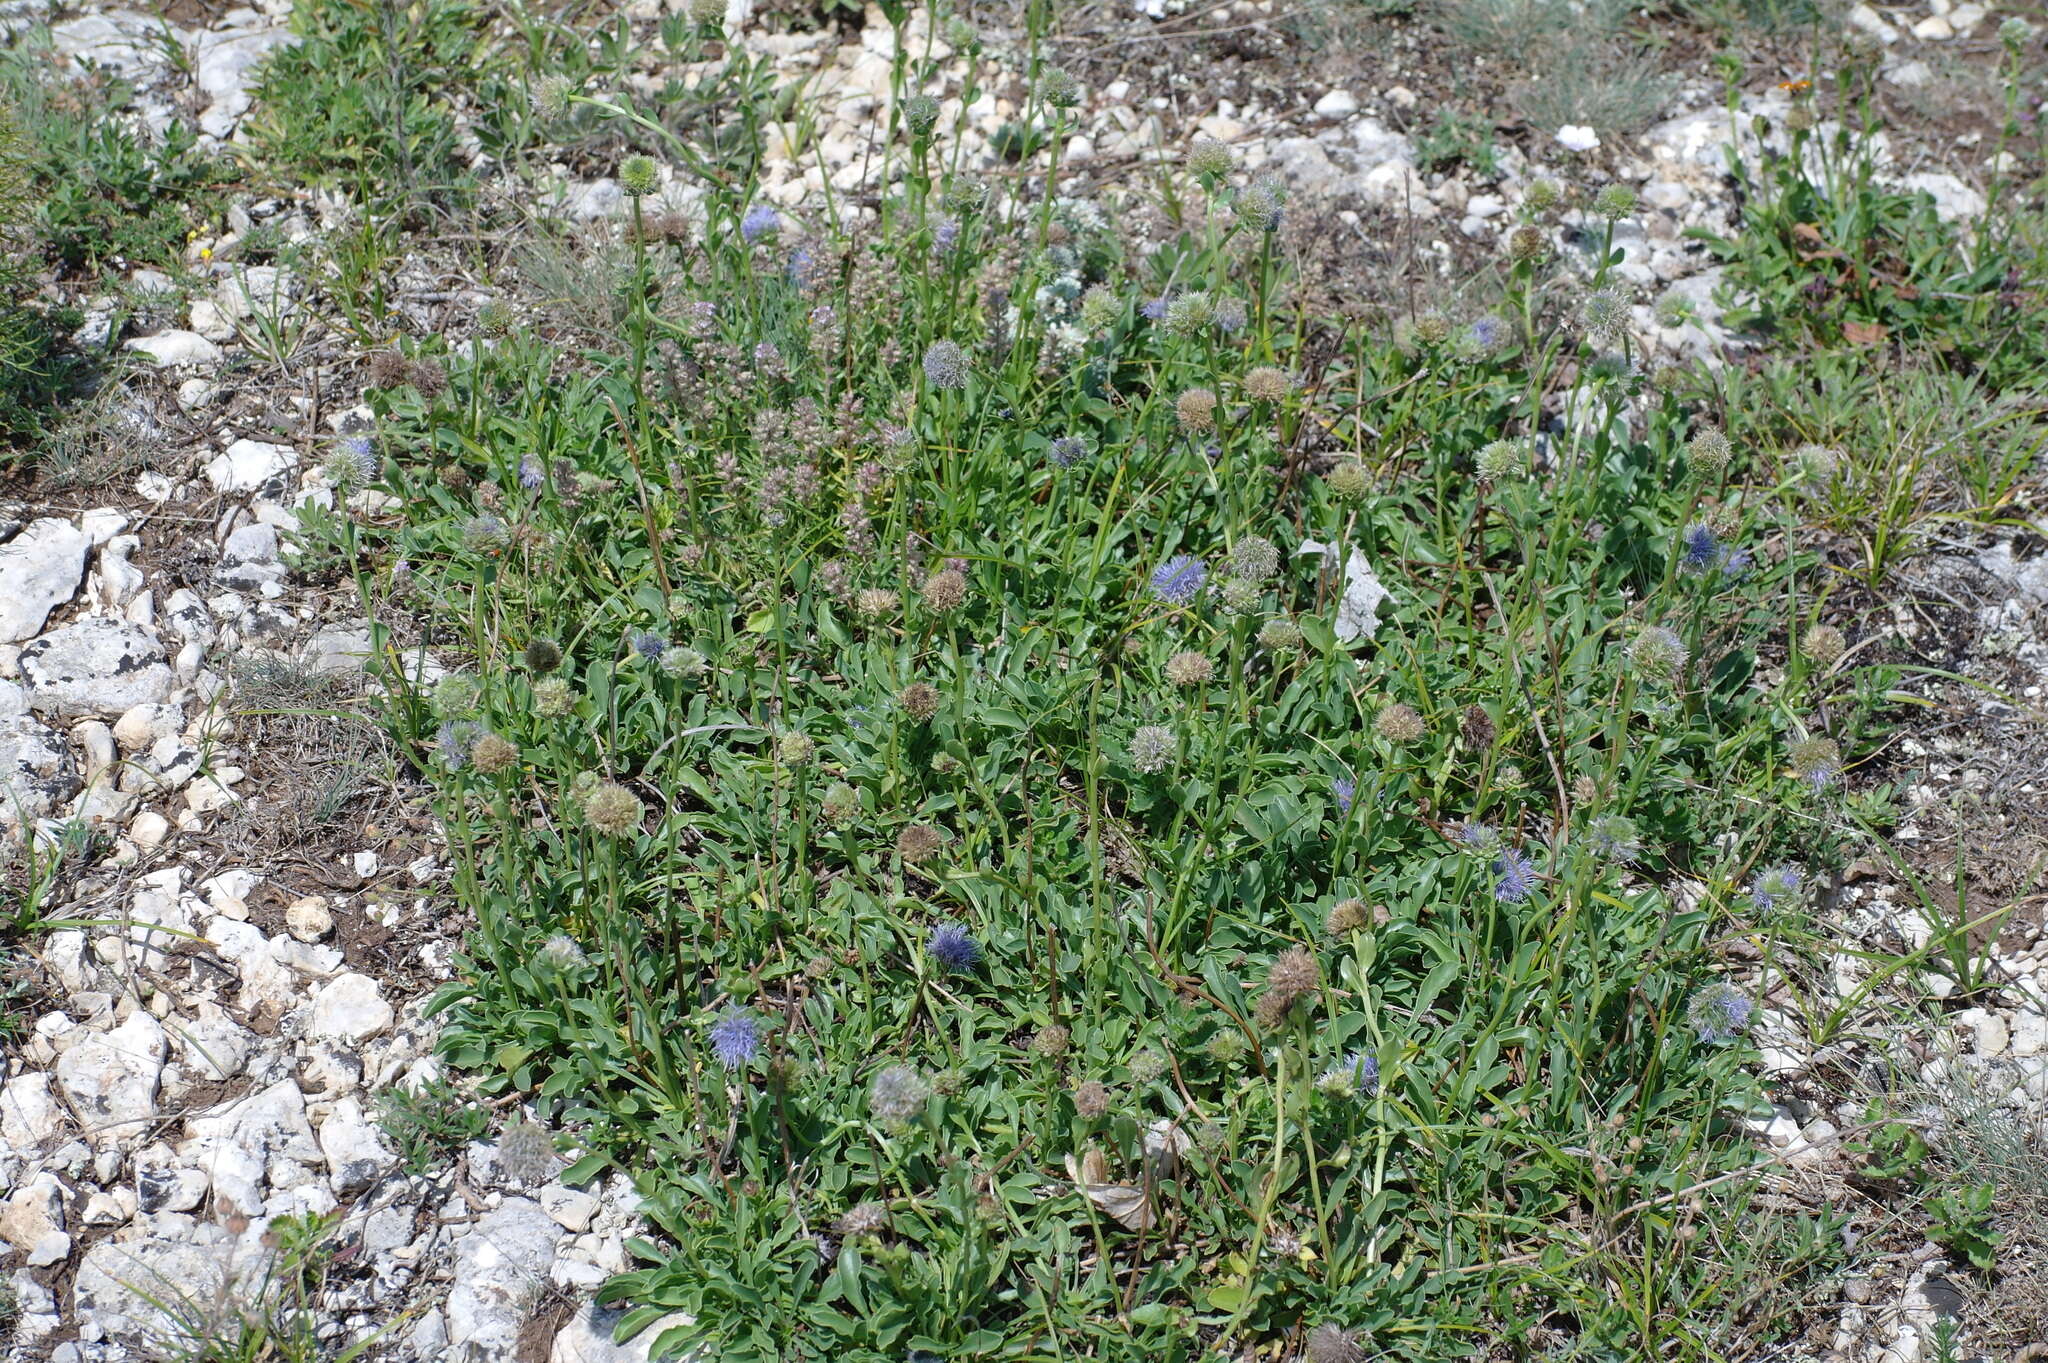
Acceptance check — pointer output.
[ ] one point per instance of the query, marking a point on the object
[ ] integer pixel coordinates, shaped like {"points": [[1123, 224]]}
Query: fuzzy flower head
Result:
{"points": [[1059, 87], [759, 221], [1189, 668], [1332, 1343], [1514, 877], [1280, 635], [560, 952], [611, 809], [1707, 453], [1604, 317], [1699, 552], [683, 662], [920, 114], [736, 1038], [946, 365], [1527, 242], [1254, 558], [1343, 790], [919, 842], [1347, 480], [1266, 384], [1356, 1076], [945, 590], [1482, 839], [1091, 1099], [1067, 451], [954, 948], [553, 697], [647, 644], [1258, 207], [1179, 579], [1613, 838], [353, 463], [639, 176], [1502, 459], [1775, 885], [1824, 644], [485, 534], [1719, 1013], [1195, 409], [1152, 748], [1817, 762], [1189, 314], [1231, 315], [920, 700], [526, 1153], [1614, 201], [1209, 159], [1658, 653], [898, 1094], [1398, 723]]}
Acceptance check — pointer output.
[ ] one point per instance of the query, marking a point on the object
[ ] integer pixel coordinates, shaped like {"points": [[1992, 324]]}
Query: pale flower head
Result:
{"points": [[1578, 137]]}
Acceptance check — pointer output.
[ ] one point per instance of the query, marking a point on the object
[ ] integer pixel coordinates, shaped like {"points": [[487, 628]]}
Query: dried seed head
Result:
{"points": [[1189, 668], [920, 700], [611, 809], [945, 591], [1091, 1099], [1399, 723], [1196, 410]]}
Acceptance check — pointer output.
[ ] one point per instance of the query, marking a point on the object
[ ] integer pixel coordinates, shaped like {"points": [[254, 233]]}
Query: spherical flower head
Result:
{"points": [[492, 755], [1209, 159], [736, 1038], [1673, 310], [1398, 723], [898, 1094], [1475, 726], [1332, 1343], [1347, 480], [1614, 201], [1280, 635], [919, 842], [795, 749], [1091, 1100], [1226, 1047], [1266, 384], [1604, 317], [452, 742], [920, 700], [457, 694], [1231, 315], [920, 114], [553, 697], [1051, 1041], [2014, 33], [1707, 453], [1190, 313], [1817, 465], [1432, 328], [560, 952], [1658, 653], [541, 654], [864, 1221], [1514, 877], [1543, 195], [1152, 749], [954, 948], [875, 603], [1775, 885], [1258, 207], [1817, 762], [1347, 916], [1355, 1076], [1240, 595], [1294, 972], [1059, 87], [551, 95], [1527, 242], [1255, 557], [1483, 839], [1501, 460], [1698, 551], [1824, 644], [1147, 1067], [353, 463], [1613, 838], [758, 222], [526, 1153], [1195, 409], [710, 12], [647, 644], [1344, 790], [841, 804], [1067, 451], [1189, 668], [485, 534], [946, 365], [1486, 335], [1100, 308], [612, 810], [945, 591], [1719, 1013], [683, 662], [639, 176], [1178, 580]]}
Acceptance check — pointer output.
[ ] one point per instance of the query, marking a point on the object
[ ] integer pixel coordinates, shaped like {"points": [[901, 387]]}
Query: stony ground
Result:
{"points": [[245, 948]]}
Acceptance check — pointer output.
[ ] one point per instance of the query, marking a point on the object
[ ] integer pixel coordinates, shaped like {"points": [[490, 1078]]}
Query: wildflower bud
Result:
{"points": [[920, 114], [1399, 723], [1824, 644], [611, 809], [1240, 595], [1502, 459], [1280, 635], [1050, 1041], [1542, 196], [639, 176], [1196, 410], [873, 603], [841, 804], [542, 654], [1673, 310], [946, 365], [1209, 159], [1100, 308], [1226, 1047], [920, 700], [1816, 761], [919, 842], [1189, 668], [945, 591], [1658, 653], [1152, 748], [898, 1094], [1800, 118], [683, 662], [1332, 1343], [1190, 313], [1614, 201], [1091, 1100], [1266, 384], [1475, 726], [551, 96], [1059, 87], [795, 749], [1432, 328], [2014, 33], [1527, 242], [1348, 480], [1347, 916], [553, 698], [1258, 207], [1147, 1066], [493, 755], [864, 1221], [1708, 452], [1294, 972]]}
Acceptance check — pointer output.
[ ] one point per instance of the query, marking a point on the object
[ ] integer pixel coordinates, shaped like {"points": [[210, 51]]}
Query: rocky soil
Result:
{"points": [[217, 1008]]}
